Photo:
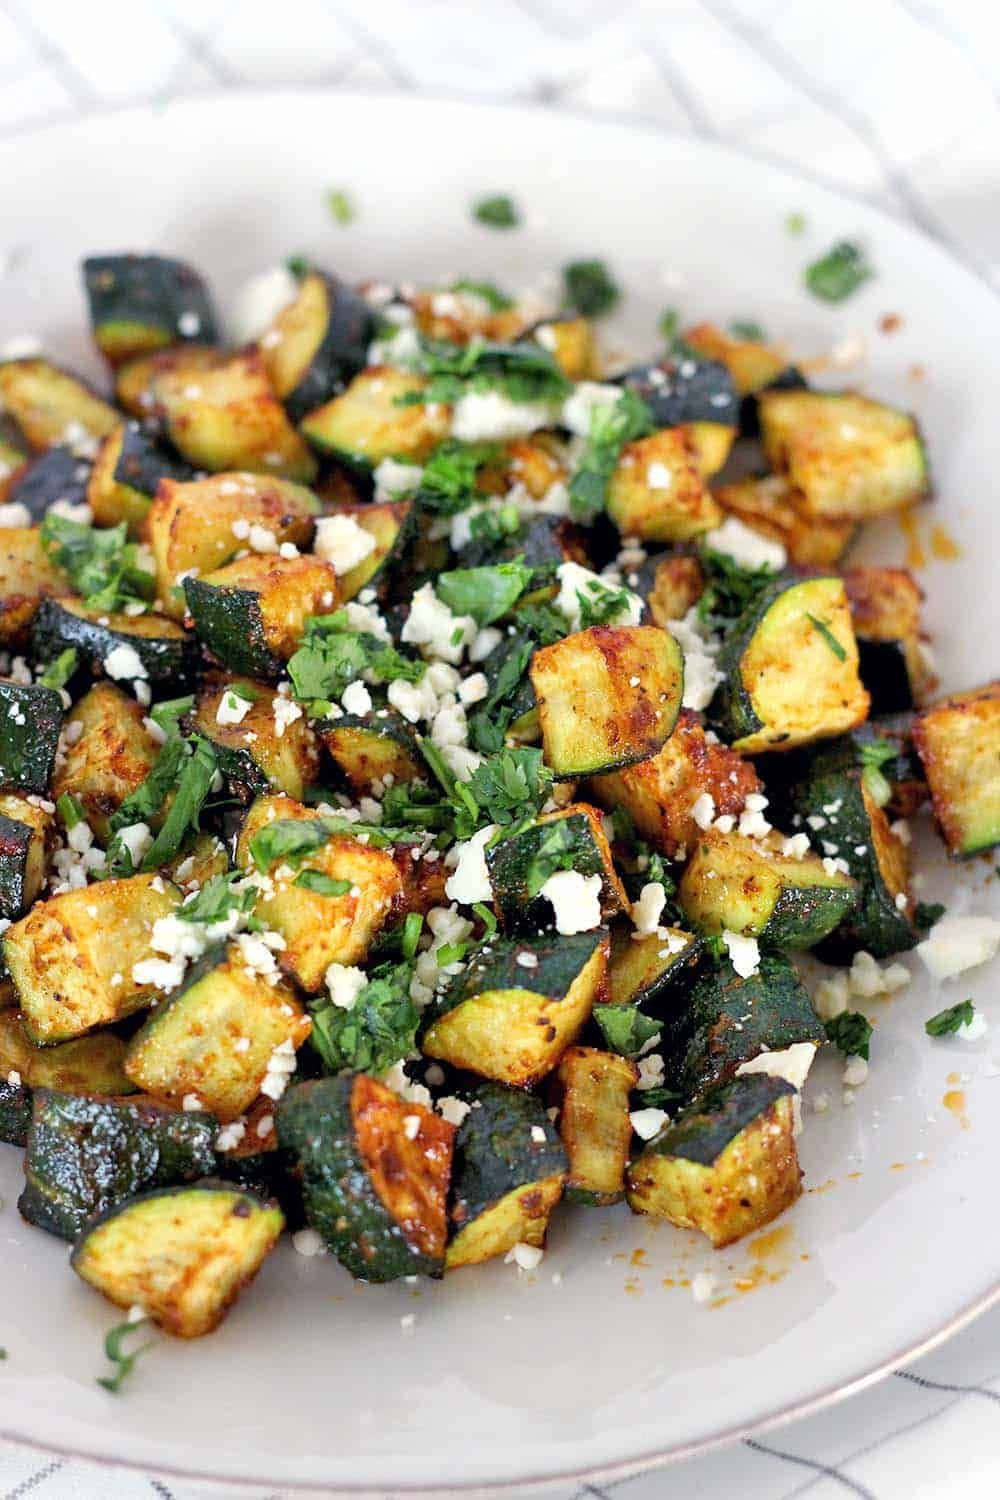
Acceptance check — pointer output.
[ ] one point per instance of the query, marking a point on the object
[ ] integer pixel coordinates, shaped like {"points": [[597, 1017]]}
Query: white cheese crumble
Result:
{"points": [[124, 663], [158, 973], [746, 547], [230, 1136], [575, 899], [973, 1029], [345, 983], [469, 881], [474, 689], [356, 699], [14, 1078], [703, 1286], [855, 1072], [703, 810], [21, 346], [308, 1242], [578, 409], [260, 300], [538, 1135], [744, 954], [701, 676], [867, 980], [232, 708], [796, 847], [14, 513], [280, 1067], [489, 416], [650, 1071], [137, 839], [342, 543], [432, 626], [958, 943], [658, 476], [285, 713], [648, 909], [525, 1257], [411, 1126], [575, 580], [830, 996], [791, 1063], [393, 479], [646, 1122], [453, 1110]]}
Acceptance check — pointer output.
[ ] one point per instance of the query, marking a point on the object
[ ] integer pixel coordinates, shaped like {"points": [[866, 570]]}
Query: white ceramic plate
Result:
{"points": [[506, 1377]]}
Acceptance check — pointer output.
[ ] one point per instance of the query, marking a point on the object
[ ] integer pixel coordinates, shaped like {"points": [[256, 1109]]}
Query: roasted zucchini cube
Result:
{"points": [[370, 748], [538, 462], [127, 470], [69, 977], [507, 1018], [58, 474], [31, 719], [958, 741], [367, 422], [183, 1254], [167, 653], [671, 586], [140, 303], [727, 1166], [659, 794], [772, 507], [885, 609], [844, 822], [574, 834], [320, 930], [849, 457], [25, 835], [593, 1090], [251, 613], [375, 1174], [393, 525], [687, 390], [191, 525], [571, 343], [752, 365], [88, 1065], [657, 492], [27, 576], [736, 884], [252, 754], [317, 343], [51, 406], [644, 975], [107, 757], [728, 1020], [195, 863], [790, 669], [135, 380], [195, 1042], [510, 1167], [85, 1155], [607, 697], [228, 417]]}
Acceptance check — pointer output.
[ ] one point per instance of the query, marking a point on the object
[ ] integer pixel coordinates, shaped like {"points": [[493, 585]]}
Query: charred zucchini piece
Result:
{"points": [[375, 1187], [56, 475], [317, 343], [318, 929], [727, 1166], [27, 576], [228, 417], [848, 456], [686, 389], [393, 524], [659, 793], [594, 1122], [251, 613], [25, 834], [140, 303], [657, 491], [125, 476], [844, 822], [735, 884], [191, 525], [368, 749], [670, 586], [195, 864], [772, 507], [958, 741], [885, 609], [366, 423], [607, 697], [31, 719], [645, 971], [68, 975], [520, 864], [89, 1065], [195, 1041], [510, 1167], [86, 1155], [754, 367], [728, 1020], [51, 406], [252, 753], [135, 381], [184, 1254], [167, 652], [509, 1019], [790, 669], [107, 758], [15, 1113]]}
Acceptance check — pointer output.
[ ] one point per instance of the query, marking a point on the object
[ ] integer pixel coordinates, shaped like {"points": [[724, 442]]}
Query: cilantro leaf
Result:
{"points": [[851, 1032], [729, 589], [950, 1020], [168, 714], [926, 913], [838, 273], [194, 783], [521, 372], [590, 288], [58, 672], [488, 290], [487, 593], [752, 332], [340, 206], [218, 899], [379, 1029], [71, 811], [499, 211], [600, 603], [287, 839], [448, 484], [625, 1029], [611, 427], [321, 883], [333, 654], [142, 805], [103, 565], [873, 755], [113, 1341], [510, 786], [822, 628]]}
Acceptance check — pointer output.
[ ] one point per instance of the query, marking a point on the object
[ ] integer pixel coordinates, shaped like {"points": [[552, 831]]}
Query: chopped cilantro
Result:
{"points": [[298, 265], [590, 288], [668, 325], [600, 603], [625, 1029], [168, 714], [951, 1019], [448, 483], [103, 565], [333, 654], [521, 372], [218, 899], [321, 883], [838, 273], [59, 672], [611, 427], [795, 224], [873, 755], [497, 300], [71, 811], [491, 527], [499, 211], [185, 767], [488, 593], [851, 1032], [340, 206], [379, 1029], [412, 928], [113, 1341], [747, 330], [927, 913], [729, 589], [822, 628]]}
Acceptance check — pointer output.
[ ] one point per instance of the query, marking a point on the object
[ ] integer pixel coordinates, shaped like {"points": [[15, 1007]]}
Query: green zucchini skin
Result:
{"points": [[644, 982], [495, 1151], [703, 1131], [365, 749], [496, 967], [148, 292], [789, 379], [689, 389], [731, 710], [85, 1155], [142, 463], [15, 1113], [728, 1020], [228, 622], [15, 841], [875, 924], [802, 918], [170, 660], [541, 542], [314, 1125], [509, 863], [342, 351], [57, 474], [30, 724]]}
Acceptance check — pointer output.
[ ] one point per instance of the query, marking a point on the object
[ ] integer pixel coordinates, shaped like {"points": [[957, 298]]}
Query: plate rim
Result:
{"points": [[646, 127]]}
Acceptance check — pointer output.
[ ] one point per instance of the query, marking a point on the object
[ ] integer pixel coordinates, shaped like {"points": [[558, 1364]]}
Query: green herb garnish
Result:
{"points": [[823, 629], [103, 565], [298, 265], [589, 287], [602, 604], [333, 654], [729, 589], [873, 755], [218, 899], [412, 928], [611, 427], [752, 332], [321, 883], [340, 206], [625, 1029], [795, 224], [168, 714], [379, 1029], [926, 913], [487, 593], [448, 484], [113, 1342], [521, 372], [70, 810], [499, 212], [668, 325], [838, 273], [491, 294], [59, 672], [185, 767], [950, 1020], [851, 1032]]}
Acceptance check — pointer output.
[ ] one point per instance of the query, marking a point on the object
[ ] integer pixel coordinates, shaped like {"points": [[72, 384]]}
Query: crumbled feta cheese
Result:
{"points": [[124, 663], [575, 899], [648, 909], [578, 409], [658, 477], [527, 960], [232, 708], [345, 983], [453, 1110], [866, 979], [703, 1286], [525, 1257], [432, 626], [285, 713], [855, 1072], [21, 346], [280, 1067], [14, 1079], [159, 973], [341, 542], [958, 943], [262, 538], [260, 300], [796, 847], [575, 580], [395, 1078], [486, 641], [137, 839], [651, 1068], [474, 689], [744, 954], [490, 416], [393, 479], [538, 1135], [356, 698], [470, 879], [830, 996], [647, 1122], [14, 513], [791, 1063], [229, 1136], [190, 1103], [411, 1126], [746, 547], [414, 700], [703, 809], [753, 824], [308, 1242], [701, 676]]}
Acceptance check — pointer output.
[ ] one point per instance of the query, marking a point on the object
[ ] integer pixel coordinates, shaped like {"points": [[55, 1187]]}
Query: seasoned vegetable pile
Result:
{"points": [[421, 761]]}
